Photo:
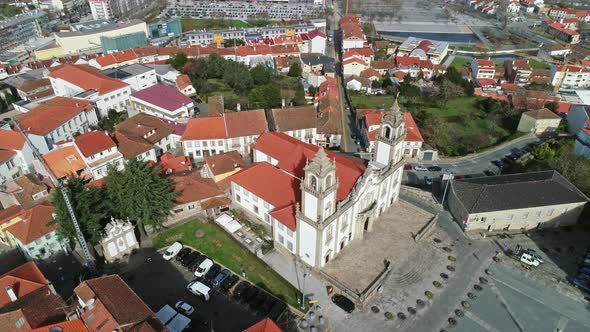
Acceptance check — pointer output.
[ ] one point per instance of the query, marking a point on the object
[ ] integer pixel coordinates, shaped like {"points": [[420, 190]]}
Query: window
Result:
{"points": [[281, 226], [344, 225], [192, 206], [267, 218], [189, 144], [281, 239], [329, 234], [204, 143], [237, 188], [289, 245], [483, 218], [255, 209], [238, 198], [219, 143], [198, 153], [313, 182], [48, 237], [254, 198], [289, 232], [266, 205]]}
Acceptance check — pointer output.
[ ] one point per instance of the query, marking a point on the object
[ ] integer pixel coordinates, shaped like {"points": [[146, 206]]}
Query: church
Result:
{"points": [[317, 201]]}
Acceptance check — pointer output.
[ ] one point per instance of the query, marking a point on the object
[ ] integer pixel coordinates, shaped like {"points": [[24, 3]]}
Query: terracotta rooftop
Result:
{"points": [[230, 124], [194, 188], [171, 165], [35, 223], [412, 130], [51, 114], [76, 325], [65, 161], [23, 188], [294, 118], [225, 162], [93, 142], [11, 140], [87, 78], [5, 155], [265, 325]]}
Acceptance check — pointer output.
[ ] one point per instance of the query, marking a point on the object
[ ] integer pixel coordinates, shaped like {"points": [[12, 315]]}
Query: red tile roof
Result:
{"points": [[76, 325], [366, 52], [171, 165], [23, 280], [485, 63], [487, 82], [51, 114], [229, 124], [407, 61], [413, 133], [11, 140], [292, 155], [204, 128], [65, 161], [354, 60], [183, 81], [194, 188], [163, 96], [316, 33], [87, 78], [93, 142], [34, 224], [265, 325], [370, 72], [6, 155], [563, 107], [225, 162]]}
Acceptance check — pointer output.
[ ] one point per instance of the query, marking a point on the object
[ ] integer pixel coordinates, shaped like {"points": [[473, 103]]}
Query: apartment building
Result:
{"points": [[248, 9], [483, 68], [570, 77], [20, 29]]}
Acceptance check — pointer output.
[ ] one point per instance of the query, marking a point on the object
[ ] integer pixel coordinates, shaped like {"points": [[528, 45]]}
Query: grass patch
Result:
{"points": [[460, 63], [369, 101], [538, 64], [221, 247], [454, 107]]}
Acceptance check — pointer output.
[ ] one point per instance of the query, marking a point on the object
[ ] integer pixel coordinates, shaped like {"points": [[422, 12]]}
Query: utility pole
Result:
{"points": [[86, 252], [449, 177]]}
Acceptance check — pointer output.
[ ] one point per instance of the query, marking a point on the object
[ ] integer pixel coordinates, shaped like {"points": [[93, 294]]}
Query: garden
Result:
{"points": [[221, 247]]}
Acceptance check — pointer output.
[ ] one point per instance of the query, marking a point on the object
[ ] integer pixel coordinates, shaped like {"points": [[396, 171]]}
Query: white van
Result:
{"points": [[172, 251], [199, 289], [203, 268], [529, 259]]}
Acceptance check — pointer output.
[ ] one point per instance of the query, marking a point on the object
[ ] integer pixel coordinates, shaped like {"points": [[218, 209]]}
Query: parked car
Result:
{"points": [[427, 181], [507, 161], [213, 271], [219, 278], [343, 302], [419, 168], [499, 163], [172, 251], [182, 254], [250, 293], [257, 302], [533, 253], [199, 289], [529, 259], [184, 308], [434, 169], [188, 259], [198, 261], [266, 306], [228, 283], [276, 310], [203, 267], [489, 173], [407, 167], [240, 290]]}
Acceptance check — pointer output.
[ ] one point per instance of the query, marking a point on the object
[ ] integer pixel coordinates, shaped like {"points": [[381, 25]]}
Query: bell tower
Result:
{"points": [[391, 136], [319, 187]]}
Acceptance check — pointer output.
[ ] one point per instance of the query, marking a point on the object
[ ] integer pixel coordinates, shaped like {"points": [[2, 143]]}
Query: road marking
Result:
{"points": [[480, 322]]}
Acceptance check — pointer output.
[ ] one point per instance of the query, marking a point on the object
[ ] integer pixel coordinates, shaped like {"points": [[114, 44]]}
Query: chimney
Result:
{"points": [[283, 103], [238, 107], [11, 293]]}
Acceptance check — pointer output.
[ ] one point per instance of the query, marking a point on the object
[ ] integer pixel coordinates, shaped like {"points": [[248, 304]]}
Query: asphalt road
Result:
{"points": [[472, 165]]}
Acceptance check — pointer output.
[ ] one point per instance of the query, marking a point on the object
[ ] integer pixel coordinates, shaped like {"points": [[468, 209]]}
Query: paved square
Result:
{"points": [[391, 239]]}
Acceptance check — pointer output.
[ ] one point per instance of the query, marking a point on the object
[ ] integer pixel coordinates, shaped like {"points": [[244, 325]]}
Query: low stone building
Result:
{"points": [[541, 121], [515, 202], [119, 240]]}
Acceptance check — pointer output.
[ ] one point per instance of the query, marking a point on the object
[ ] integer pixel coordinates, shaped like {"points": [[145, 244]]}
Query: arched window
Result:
{"points": [[313, 182], [328, 181], [387, 132]]}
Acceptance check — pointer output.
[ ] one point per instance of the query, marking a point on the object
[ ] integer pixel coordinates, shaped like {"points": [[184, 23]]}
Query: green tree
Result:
{"points": [[448, 90], [265, 96], [295, 70], [261, 74], [543, 152], [91, 211], [299, 98], [140, 194], [178, 60], [216, 66], [196, 69], [312, 90], [233, 42], [237, 76], [112, 120]]}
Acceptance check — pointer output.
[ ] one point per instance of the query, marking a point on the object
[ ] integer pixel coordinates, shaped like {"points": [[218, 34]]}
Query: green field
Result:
{"points": [[365, 101], [189, 24], [454, 107], [219, 246], [460, 63], [538, 64]]}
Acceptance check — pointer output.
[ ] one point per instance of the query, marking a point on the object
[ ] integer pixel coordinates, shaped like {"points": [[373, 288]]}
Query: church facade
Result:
{"points": [[316, 201]]}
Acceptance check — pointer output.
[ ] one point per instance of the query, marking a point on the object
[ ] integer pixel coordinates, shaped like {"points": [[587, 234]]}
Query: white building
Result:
{"points": [[515, 202], [101, 9], [570, 77], [58, 119], [163, 102], [352, 33], [541, 121], [99, 151], [138, 76], [317, 41], [316, 202], [425, 49], [84, 82], [483, 68], [144, 137], [232, 131]]}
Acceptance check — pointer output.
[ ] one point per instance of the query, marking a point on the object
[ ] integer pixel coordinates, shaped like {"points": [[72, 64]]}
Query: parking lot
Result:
{"points": [[159, 282]]}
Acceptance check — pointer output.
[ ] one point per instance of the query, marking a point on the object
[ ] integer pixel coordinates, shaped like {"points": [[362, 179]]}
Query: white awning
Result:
{"points": [[229, 223]]}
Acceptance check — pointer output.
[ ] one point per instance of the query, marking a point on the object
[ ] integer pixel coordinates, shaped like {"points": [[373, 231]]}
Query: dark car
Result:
{"points": [[489, 173], [353, 136], [240, 290], [434, 169], [343, 302], [183, 253], [507, 160], [190, 258], [195, 263], [220, 277], [257, 302], [264, 310], [498, 163], [213, 272], [276, 310], [511, 157], [228, 283]]}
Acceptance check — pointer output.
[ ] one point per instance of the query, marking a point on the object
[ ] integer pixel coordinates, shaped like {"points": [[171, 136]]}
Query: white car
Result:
{"points": [[172, 251], [529, 259], [203, 268], [184, 308], [199, 289], [419, 168]]}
